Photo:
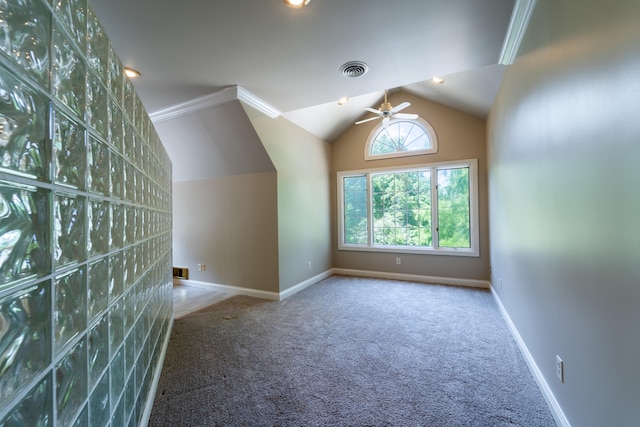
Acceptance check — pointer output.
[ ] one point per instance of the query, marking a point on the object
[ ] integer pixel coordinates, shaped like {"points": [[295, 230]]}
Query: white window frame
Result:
{"points": [[426, 127], [473, 251]]}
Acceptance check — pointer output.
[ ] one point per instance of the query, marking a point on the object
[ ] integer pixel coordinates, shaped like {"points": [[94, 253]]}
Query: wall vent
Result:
{"points": [[181, 273]]}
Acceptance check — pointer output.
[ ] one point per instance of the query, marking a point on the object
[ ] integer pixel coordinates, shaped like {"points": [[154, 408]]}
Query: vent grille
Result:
{"points": [[354, 69], [181, 273]]}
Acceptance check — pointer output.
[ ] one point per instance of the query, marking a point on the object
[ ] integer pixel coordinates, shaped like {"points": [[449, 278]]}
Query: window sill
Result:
{"points": [[468, 252]]}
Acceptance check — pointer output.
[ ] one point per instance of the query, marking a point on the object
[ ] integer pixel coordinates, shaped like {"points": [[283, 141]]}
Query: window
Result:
{"points": [[401, 138], [425, 209]]}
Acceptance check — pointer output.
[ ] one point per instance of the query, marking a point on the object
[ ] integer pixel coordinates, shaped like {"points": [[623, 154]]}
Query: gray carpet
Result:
{"points": [[349, 352]]}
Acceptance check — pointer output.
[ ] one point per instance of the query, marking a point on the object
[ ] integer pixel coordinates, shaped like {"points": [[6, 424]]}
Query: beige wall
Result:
{"points": [[564, 141], [302, 164], [460, 136], [231, 225]]}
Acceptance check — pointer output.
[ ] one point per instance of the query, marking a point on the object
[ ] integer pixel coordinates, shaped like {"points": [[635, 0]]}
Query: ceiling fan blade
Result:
{"points": [[371, 110], [367, 120], [385, 122], [405, 116], [400, 107]]}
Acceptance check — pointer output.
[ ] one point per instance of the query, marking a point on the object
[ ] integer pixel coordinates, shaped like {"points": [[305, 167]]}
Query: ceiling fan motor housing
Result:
{"points": [[385, 109]]}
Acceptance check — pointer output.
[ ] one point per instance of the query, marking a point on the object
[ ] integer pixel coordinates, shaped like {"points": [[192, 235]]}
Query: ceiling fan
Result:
{"points": [[386, 112]]}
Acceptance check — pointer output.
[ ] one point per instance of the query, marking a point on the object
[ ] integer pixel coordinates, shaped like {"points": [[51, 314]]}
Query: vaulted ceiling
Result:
{"points": [[289, 59]]}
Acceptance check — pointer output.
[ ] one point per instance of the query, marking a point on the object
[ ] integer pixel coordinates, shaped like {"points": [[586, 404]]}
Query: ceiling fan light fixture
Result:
{"points": [[131, 73], [437, 79], [296, 4]]}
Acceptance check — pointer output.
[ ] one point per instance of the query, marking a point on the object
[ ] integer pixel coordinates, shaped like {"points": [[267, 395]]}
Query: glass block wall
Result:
{"points": [[85, 224]]}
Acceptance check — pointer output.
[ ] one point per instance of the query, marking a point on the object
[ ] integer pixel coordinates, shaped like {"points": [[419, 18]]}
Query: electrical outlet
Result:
{"points": [[199, 267], [559, 368], [500, 283], [398, 260], [309, 265]]}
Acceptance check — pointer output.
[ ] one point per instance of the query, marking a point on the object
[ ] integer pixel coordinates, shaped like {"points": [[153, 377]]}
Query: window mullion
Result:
{"points": [[369, 210], [434, 208]]}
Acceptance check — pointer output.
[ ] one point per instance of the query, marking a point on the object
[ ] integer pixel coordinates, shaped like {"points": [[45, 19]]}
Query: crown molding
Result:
{"points": [[223, 96], [522, 11], [257, 103]]}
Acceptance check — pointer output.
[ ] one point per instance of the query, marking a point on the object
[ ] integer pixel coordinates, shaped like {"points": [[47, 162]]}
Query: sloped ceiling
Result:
{"points": [[290, 60]]}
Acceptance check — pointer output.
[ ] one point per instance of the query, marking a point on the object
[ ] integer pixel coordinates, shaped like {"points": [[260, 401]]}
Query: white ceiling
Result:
{"points": [[290, 58]]}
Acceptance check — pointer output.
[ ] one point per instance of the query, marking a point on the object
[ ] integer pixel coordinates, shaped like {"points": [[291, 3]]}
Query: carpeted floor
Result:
{"points": [[349, 352]]}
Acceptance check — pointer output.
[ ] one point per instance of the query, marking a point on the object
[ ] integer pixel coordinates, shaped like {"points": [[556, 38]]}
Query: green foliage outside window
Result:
{"points": [[453, 208], [402, 208]]}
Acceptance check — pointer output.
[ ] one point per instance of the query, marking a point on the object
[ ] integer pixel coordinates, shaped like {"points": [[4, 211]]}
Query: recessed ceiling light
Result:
{"points": [[131, 73], [437, 79], [343, 100], [296, 4]]}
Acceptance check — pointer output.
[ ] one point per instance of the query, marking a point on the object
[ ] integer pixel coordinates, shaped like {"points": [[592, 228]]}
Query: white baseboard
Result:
{"points": [[156, 377], [553, 404], [274, 296], [302, 285], [414, 278]]}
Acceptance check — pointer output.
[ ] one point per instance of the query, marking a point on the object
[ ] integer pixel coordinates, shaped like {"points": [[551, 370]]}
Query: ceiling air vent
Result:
{"points": [[354, 69]]}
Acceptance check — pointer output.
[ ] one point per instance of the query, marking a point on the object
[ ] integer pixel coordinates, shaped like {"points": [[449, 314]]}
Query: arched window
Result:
{"points": [[401, 138]]}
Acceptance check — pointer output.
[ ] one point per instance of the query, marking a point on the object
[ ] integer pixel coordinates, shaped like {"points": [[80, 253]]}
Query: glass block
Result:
{"points": [[117, 176], [99, 237], [130, 225], [129, 142], [98, 338], [116, 276], [139, 223], [25, 337], [69, 229], [24, 232], [97, 106], [129, 264], [127, 101], [116, 75], [117, 225], [99, 402], [69, 154], [115, 122], [70, 306], [116, 320], [68, 73], [98, 158], [23, 129], [83, 418], [36, 409], [130, 398], [145, 158], [139, 112], [71, 383], [26, 29], [130, 182], [117, 419], [97, 47], [130, 354], [98, 287], [73, 14], [117, 370]]}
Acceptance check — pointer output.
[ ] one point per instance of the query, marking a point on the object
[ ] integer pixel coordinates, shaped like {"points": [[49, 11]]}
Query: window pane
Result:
{"points": [[400, 136], [402, 208], [355, 210], [454, 220]]}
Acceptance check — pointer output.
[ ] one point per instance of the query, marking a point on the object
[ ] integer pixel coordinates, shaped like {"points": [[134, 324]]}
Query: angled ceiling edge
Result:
{"points": [[228, 94]]}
